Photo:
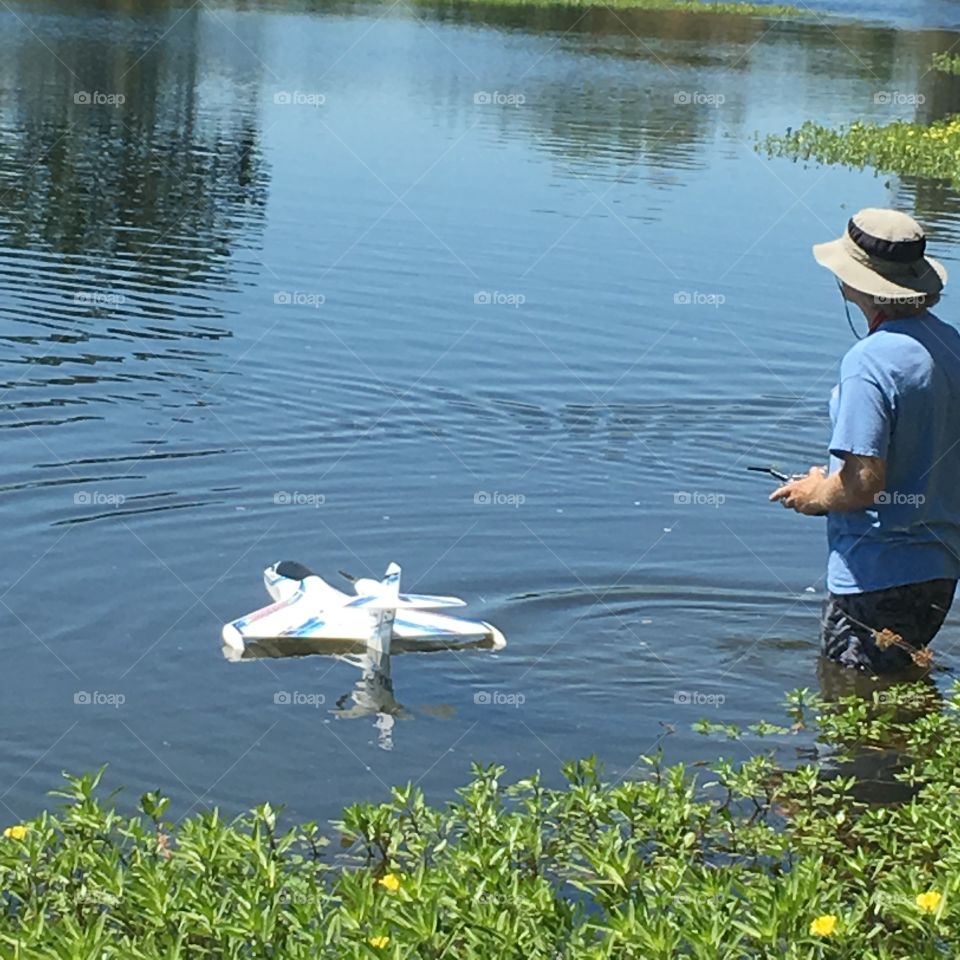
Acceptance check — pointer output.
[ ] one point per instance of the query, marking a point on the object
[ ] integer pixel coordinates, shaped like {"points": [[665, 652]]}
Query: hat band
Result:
{"points": [[895, 251], [907, 275]]}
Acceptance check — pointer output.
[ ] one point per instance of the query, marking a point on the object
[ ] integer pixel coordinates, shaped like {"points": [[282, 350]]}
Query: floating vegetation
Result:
{"points": [[682, 6], [914, 149], [946, 62]]}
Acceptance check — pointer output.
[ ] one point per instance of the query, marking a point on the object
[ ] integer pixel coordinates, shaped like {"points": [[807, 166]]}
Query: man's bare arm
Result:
{"points": [[853, 487]]}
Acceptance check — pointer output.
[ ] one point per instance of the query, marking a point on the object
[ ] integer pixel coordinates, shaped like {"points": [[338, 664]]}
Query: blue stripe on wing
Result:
{"points": [[435, 631], [421, 628], [361, 601], [314, 623]]}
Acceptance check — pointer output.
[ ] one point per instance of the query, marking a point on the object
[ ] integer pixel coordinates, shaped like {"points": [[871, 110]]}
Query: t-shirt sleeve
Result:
{"points": [[863, 421]]}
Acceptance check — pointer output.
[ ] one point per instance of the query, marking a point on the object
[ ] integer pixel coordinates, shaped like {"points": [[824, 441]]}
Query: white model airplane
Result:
{"points": [[308, 611]]}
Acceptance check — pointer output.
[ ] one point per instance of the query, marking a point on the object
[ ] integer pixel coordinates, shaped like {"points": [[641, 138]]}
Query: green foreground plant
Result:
{"points": [[740, 860]]}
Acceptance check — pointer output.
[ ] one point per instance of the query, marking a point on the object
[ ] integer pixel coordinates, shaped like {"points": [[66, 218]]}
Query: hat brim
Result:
{"points": [[834, 256]]}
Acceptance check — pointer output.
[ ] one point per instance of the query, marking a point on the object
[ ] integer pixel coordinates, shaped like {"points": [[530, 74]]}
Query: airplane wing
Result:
{"points": [[301, 608], [425, 600], [269, 621], [417, 625]]}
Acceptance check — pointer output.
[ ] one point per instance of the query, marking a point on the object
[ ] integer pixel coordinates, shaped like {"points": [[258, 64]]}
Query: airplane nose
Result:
{"points": [[498, 640], [233, 645]]}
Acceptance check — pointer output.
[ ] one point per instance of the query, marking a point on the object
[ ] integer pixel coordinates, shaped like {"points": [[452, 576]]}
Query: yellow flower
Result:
{"points": [[379, 942], [17, 832], [929, 901], [391, 881], [824, 926]]}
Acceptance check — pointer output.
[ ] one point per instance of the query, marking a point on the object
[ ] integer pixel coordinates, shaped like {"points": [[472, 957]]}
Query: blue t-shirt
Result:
{"points": [[899, 398]]}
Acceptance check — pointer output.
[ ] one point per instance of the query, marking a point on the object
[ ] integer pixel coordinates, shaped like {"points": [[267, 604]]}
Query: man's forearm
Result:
{"points": [[838, 494]]}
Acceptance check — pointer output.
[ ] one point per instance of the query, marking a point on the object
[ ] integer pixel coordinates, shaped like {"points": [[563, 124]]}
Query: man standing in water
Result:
{"points": [[891, 494]]}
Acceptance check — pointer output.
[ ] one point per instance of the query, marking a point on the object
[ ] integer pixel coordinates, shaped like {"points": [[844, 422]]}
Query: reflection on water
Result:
{"points": [[134, 195], [372, 694], [877, 766], [211, 300], [120, 216]]}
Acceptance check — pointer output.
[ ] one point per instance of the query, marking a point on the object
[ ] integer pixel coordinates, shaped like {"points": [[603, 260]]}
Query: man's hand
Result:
{"points": [[854, 487], [804, 495]]}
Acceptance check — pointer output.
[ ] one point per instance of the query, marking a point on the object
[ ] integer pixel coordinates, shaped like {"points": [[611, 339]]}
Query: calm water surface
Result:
{"points": [[395, 259]]}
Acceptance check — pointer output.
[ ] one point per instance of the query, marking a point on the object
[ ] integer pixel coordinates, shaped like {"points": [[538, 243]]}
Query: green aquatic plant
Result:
{"points": [[946, 62], [901, 147], [738, 860], [778, 10]]}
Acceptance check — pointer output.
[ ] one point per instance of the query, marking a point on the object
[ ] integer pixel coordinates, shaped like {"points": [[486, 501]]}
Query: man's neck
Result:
{"points": [[879, 318]]}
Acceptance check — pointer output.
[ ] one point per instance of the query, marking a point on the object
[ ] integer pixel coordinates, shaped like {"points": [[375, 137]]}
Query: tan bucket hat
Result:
{"points": [[882, 255]]}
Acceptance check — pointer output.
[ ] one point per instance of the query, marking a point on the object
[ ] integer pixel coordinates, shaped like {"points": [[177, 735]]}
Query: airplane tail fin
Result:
{"points": [[386, 607]]}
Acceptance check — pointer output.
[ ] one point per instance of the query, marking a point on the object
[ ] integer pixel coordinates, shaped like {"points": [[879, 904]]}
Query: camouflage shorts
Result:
{"points": [[916, 611]]}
